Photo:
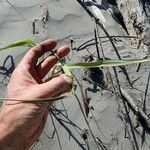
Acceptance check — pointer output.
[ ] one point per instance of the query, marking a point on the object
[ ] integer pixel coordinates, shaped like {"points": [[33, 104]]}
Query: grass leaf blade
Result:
{"points": [[47, 100], [67, 71], [25, 42], [50, 100], [107, 63]]}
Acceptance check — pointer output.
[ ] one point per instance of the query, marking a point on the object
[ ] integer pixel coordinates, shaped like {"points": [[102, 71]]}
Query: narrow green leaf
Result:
{"points": [[47, 100], [106, 63], [67, 71], [26, 42]]}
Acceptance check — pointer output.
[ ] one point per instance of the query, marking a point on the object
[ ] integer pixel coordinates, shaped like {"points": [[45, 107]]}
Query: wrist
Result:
{"points": [[10, 138]]}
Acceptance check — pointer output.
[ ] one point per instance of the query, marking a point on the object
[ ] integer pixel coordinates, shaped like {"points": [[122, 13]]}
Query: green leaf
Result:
{"points": [[26, 42], [106, 63], [67, 71], [47, 100]]}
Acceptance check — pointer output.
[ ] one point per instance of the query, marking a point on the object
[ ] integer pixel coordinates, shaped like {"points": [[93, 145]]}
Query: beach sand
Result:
{"points": [[68, 21]]}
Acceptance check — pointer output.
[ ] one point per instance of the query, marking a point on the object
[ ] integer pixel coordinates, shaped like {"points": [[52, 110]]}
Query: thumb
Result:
{"points": [[56, 86]]}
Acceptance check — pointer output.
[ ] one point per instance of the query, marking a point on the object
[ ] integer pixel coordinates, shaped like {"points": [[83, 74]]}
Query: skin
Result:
{"points": [[21, 123]]}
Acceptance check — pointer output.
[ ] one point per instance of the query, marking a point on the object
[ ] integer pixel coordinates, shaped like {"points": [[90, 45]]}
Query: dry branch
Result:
{"points": [[142, 116]]}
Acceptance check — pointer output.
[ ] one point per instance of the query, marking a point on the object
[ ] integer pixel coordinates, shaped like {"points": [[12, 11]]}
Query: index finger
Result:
{"points": [[31, 57]]}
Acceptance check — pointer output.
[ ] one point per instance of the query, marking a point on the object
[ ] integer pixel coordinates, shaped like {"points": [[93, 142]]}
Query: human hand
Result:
{"points": [[21, 123]]}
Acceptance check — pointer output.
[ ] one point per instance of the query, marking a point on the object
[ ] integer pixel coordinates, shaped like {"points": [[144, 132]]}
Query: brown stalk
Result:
{"points": [[125, 100], [144, 107], [59, 142]]}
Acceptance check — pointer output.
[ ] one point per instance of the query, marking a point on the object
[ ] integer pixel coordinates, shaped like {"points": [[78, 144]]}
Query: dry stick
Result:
{"points": [[56, 132], [124, 102], [119, 36], [97, 40], [124, 122], [139, 65], [143, 117], [96, 44], [103, 56], [64, 108], [85, 101], [97, 144], [100, 44], [103, 37], [69, 121], [87, 107], [98, 125], [107, 34], [72, 124], [67, 129], [146, 90], [127, 130], [144, 108], [49, 136]]}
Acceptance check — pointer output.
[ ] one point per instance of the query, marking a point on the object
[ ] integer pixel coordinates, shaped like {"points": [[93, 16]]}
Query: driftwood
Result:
{"points": [[143, 118]]}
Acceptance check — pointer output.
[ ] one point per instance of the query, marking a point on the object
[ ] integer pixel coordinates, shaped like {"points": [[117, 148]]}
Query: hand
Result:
{"points": [[21, 123]]}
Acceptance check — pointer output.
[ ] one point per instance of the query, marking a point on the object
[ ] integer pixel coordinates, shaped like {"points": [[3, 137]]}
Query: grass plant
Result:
{"points": [[117, 87]]}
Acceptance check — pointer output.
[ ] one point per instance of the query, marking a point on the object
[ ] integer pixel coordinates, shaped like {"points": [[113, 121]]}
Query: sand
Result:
{"points": [[67, 20]]}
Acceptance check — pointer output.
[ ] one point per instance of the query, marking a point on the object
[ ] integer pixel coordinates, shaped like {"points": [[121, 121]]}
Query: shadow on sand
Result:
{"points": [[7, 68]]}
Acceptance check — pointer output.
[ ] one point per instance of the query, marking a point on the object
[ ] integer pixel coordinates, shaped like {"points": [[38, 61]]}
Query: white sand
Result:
{"points": [[69, 21]]}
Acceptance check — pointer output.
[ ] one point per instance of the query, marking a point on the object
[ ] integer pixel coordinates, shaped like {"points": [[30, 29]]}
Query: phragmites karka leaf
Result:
{"points": [[107, 63], [25, 42]]}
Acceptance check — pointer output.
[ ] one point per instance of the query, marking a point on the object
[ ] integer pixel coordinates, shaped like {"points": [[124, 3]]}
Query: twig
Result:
{"points": [[64, 108], [73, 124], [146, 90], [84, 114], [144, 108], [143, 117], [96, 44], [97, 144], [69, 132], [56, 132], [49, 136], [98, 126], [97, 41], [69, 121], [85, 101], [103, 37], [135, 145]]}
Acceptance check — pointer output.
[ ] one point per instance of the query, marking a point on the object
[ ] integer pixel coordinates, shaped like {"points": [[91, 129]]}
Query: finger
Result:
{"points": [[44, 67], [34, 53], [55, 86]]}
